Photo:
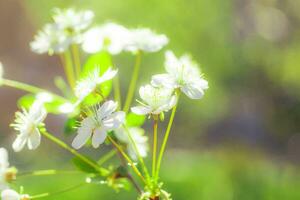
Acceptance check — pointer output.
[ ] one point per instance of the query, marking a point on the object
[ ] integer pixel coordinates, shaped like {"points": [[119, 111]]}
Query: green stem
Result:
{"points": [[47, 194], [140, 158], [28, 88], [155, 125], [165, 140], [73, 151], [129, 176], [117, 91], [21, 86], [46, 172], [67, 64], [76, 58], [135, 169], [106, 157], [133, 81]]}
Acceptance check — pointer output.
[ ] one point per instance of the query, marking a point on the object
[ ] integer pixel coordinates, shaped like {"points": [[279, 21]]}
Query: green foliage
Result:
{"points": [[83, 166], [70, 126], [52, 106], [135, 120]]}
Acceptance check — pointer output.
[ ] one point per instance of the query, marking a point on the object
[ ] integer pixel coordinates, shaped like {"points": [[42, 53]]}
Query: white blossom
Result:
{"points": [[103, 119], [138, 136], [27, 124], [72, 20], [86, 86], [66, 29], [4, 165], [9, 194], [51, 39], [182, 73], [155, 100], [145, 40], [110, 36]]}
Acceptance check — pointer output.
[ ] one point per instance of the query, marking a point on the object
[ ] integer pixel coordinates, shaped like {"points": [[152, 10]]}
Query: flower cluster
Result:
{"points": [[116, 38], [182, 73], [95, 120], [67, 28]]}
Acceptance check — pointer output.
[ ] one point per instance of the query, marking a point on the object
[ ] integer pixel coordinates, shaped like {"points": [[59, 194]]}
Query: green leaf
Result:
{"points": [[135, 120], [26, 101], [83, 166], [70, 126], [103, 61], [53, 105]]}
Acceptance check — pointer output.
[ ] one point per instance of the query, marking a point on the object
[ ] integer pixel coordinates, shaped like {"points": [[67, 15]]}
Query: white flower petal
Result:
{"points": [[3, 159], [84, 133], [110, 37], [107, 109], [173, 101], [172, 63], [19, 142], [141, 142], [9, 194], [202, 84], [51, 39], [99, 137], [141, 110], [109, 74], [34, 140], [163, 80], [37, 112], [114, 120], [121, 135], [93, 41], [3, 186], [145, 40], [192, 91]]}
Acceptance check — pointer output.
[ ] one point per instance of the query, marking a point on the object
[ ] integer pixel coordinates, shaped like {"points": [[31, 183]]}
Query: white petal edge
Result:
{"points": [[9, 194], [107, 108], [163, 80], [114, 120], [192, 91], [3, 158], [19, 142], [99, 137], [141, 110], [109, 74], [34, 140], [84, 133]]}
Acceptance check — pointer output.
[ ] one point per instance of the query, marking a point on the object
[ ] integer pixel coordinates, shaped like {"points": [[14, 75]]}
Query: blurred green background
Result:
{"points": [[240, 142]]}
